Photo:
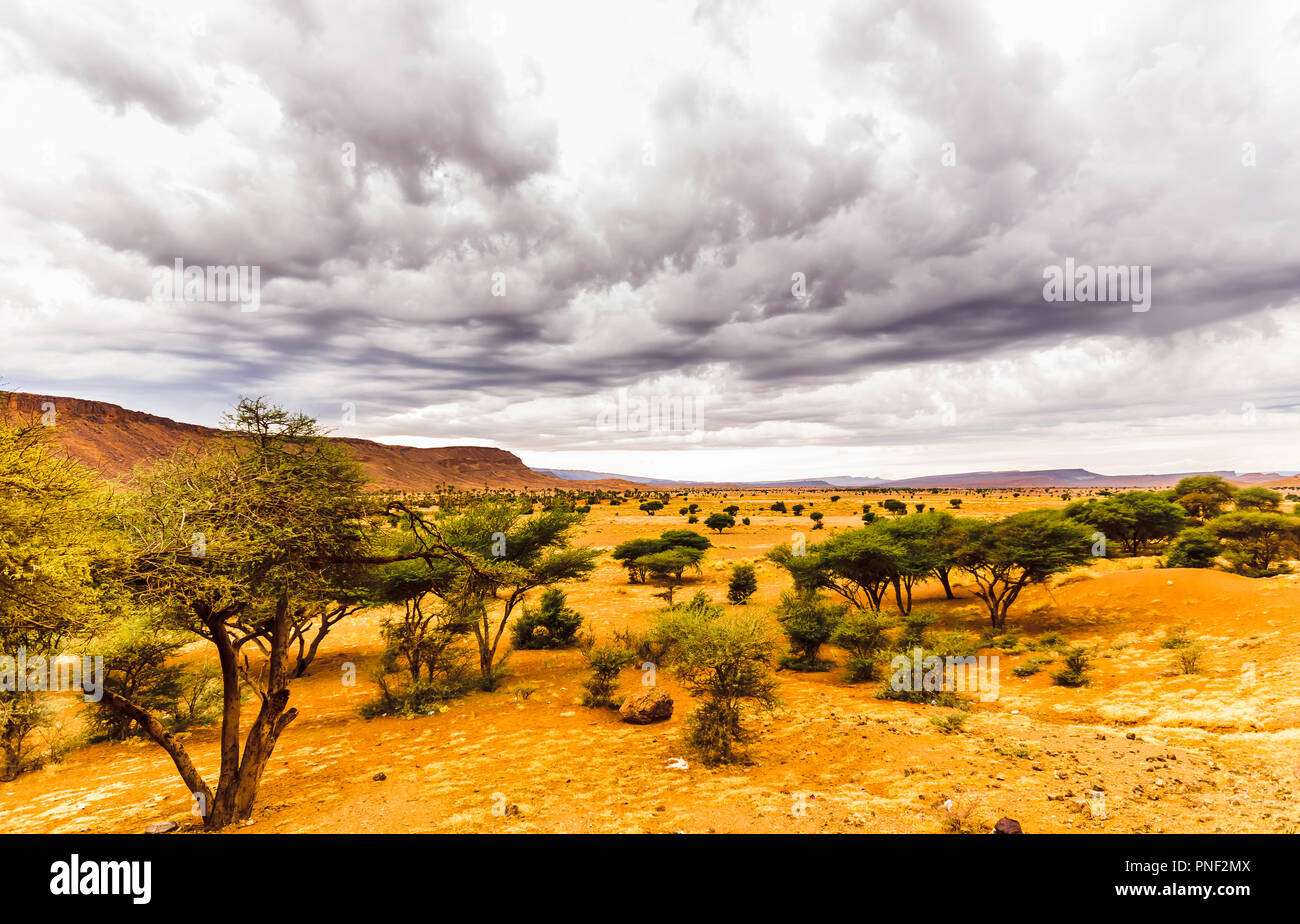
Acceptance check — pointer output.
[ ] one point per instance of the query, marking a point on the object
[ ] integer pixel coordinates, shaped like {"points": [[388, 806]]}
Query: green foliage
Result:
{"points": [[949, 724], [1005, 556], [136, 666], [1188, 658], [719, 521], [864, 636], [52, 537], [606, 663], [1256, 498], [1176, 637], [638, 555], [1132, 518], [726, 661], [1031, 666], [1074, 672], [1195, 547], [1202, 496], [743, 584], [809, 621], [1256, 542], [552, 625]]}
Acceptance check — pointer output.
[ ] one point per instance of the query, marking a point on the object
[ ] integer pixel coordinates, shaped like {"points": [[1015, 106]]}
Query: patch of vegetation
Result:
{"points": [[1051, 641], [1031, 666], [809, 621], [552, 625], [1176, 637], [606, 663], [743, 584], [1074, 672], [726, 661], [1188, 657], [949, 724], [863, 636]]}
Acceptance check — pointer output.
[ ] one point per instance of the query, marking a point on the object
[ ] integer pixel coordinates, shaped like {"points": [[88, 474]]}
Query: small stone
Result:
{"points": [[380, 777], [161, 827]]}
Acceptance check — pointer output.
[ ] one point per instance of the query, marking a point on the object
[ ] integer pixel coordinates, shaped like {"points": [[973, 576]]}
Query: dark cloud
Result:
{"points": [[827, 234]]}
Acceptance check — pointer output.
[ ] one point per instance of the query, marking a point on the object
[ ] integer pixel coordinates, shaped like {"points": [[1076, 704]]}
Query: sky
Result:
{"points": [[698, 240]]}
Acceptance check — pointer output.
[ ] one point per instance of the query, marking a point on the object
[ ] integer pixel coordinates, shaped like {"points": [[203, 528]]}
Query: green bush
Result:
{"points": [[809, 621], [606, 663], [1194, 548], [727, 662], [551, 625], [1074, 673], [743, 584], [1031, 666], [949, 724], [1189, 657], [863, 636]]}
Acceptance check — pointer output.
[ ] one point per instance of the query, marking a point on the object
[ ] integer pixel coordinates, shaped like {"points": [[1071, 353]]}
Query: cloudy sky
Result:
{"points": [[820, 230]]}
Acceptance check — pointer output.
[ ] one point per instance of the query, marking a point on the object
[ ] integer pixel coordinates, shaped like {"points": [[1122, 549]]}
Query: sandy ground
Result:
{"points": [[1215, 751]]}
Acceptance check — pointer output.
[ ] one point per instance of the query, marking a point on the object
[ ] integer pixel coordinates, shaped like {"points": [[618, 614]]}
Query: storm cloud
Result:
{"points": [[827, 223]]}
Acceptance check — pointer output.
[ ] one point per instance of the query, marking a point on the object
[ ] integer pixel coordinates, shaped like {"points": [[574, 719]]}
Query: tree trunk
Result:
{"points": [[943, 579]]}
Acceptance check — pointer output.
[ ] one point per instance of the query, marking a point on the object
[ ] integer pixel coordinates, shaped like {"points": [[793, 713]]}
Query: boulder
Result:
{"points": [[653, 705], [161, 827], [1007, 826]]}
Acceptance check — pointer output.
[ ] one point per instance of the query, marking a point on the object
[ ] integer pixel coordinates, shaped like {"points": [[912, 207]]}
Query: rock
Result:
{"points": [[1007, 826], [380, 777], [654, 705], [161, 827]]}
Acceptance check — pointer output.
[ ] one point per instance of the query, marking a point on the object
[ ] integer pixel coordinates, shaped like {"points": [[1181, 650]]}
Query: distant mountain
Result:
{"points": [[1061, 478], [571, 474], [113, 440], [837, 481], [1039, 478]]}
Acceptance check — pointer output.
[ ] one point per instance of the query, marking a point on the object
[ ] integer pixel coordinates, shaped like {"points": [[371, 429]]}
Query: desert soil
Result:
{"points": [[1214, 751]]}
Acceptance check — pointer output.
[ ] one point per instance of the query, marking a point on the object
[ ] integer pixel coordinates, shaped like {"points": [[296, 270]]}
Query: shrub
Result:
{"points": [[726, 661], [1031, 666], [743, 584], [862, 635], [1194, 548], [1189, 657], [957, 814], [551, 625], [1176, 637], [1051, 641], [949, 724], [1077, 662], [606, 662], [809, 621], [915, 626], [401, 696]]}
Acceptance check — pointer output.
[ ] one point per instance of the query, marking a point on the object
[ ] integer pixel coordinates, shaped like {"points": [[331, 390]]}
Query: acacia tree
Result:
{"points": [[51, 533], [1005, 556], [503, 554], [1256, 541], [854, 564], [1133, 518], [227, 544], [920, 546], [1203, 496]]}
